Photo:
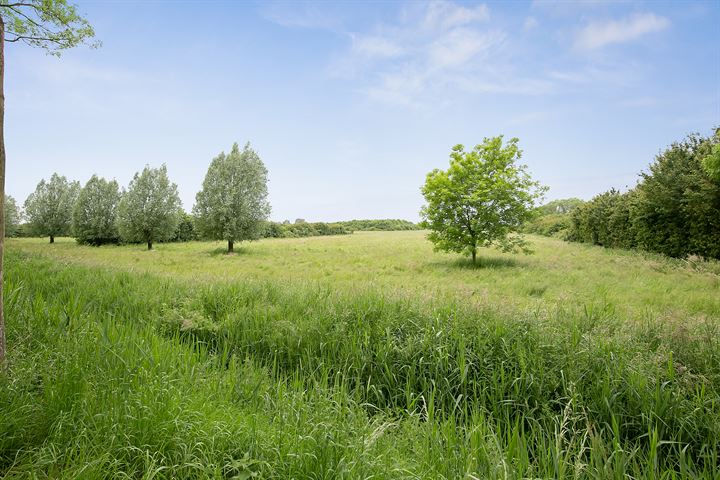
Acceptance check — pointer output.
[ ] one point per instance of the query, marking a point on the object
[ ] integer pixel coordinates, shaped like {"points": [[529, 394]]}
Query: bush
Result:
{"points": [[674, 210]]}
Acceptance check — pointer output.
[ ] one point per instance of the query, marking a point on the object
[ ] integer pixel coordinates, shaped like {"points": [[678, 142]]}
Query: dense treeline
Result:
{"points": [[673, 210], [304, 229], [389, 224]]}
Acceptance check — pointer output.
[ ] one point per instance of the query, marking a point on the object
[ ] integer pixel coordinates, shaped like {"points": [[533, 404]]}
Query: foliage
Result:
{"points": [[116, 373], [674, 210], [232, 204], [304, 229], [150, 209], [185, 230], [711, 162], [12, 217], [95, 213], [553, 218], [313, 229], [53, 25], [559, 207], [387, 224], [550, 225], [481, 200], [49, 209]]}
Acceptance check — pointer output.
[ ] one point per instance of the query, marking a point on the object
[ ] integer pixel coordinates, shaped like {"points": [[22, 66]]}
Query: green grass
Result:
{"points": [[559, 275], [362, 356]]}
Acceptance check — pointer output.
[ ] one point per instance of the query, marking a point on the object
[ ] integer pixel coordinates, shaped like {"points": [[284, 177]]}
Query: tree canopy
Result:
{"points": [[12, 216], [53, 25], [150, 209], [49, 209], [95, 213], [481, 200], [232, 204]]}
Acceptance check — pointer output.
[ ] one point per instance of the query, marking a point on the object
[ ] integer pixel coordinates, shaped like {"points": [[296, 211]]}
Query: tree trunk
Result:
{"points": [[2, 189], [230, 246], [474, 254], [52, 239], [149, 245]]}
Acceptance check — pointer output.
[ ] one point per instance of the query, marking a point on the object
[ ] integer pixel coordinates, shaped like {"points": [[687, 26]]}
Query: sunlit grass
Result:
{"points": [[558, 275], [366, 356]]}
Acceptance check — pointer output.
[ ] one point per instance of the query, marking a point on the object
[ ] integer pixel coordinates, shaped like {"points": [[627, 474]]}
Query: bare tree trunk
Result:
{"points": [[149, 245], [52, 238], [474, 254], [2, 189], [230, 246]]}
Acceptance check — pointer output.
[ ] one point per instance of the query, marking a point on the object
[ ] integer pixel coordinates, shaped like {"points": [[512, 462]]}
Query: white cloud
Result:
{"points": [[598, 34], [376, 46], [460, 46], [444, 14], [432, 49], [301, 15], [530, 23]]}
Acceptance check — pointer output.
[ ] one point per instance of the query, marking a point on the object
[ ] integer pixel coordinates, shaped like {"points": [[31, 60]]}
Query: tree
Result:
{"points": [[49, 209], [150, 209], [95, 213], [52, 25], [711, 162], [12, 216], [232, 204], [481, 200], [677, 207], [185, 231]]}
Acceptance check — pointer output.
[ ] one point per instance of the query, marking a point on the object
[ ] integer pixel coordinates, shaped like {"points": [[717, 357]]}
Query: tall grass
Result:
{"points": [[116, 375]]}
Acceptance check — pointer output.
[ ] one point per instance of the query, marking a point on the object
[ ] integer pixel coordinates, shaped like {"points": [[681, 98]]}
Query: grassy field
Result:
{"points": [[558, 276], [360, 356]]}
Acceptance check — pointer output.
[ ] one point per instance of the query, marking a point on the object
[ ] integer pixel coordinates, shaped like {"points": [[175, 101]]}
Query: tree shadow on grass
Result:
{"points": [[482, 263], [237, 251]]}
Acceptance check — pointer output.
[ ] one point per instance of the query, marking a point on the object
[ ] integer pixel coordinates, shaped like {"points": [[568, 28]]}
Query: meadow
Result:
{"points": [[358, 356]]}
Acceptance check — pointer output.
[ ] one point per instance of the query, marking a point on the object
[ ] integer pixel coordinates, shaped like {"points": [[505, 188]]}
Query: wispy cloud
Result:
{"points": [[599, 34], [429, 48], [445, 15], [301, 15], [376, 46], [530, 23]]}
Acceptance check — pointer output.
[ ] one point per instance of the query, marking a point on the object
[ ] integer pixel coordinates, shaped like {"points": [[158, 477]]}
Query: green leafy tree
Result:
{"points": [[12, 216], [711, 162], [185, 231], [677, 207], [53, 25], [95, 213], [49, 209], [150, 209], [232, 204], [481, 200]]}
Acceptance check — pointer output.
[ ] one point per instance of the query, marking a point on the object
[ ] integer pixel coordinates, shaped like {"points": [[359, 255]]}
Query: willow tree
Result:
{"points": [[232, 204], [95, 213], [52, 25], [49, 209], [150, 209]]}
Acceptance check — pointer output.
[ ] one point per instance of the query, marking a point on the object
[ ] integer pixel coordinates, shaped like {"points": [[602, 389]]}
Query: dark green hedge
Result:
{"points": [[674, 209]]}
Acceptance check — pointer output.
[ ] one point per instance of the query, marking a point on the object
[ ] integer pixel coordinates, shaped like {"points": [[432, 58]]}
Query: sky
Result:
{"points": [[350, 104]]}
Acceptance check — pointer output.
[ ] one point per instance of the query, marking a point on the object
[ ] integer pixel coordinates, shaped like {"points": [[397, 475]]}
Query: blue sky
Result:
{"points": [[350, 104]]}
